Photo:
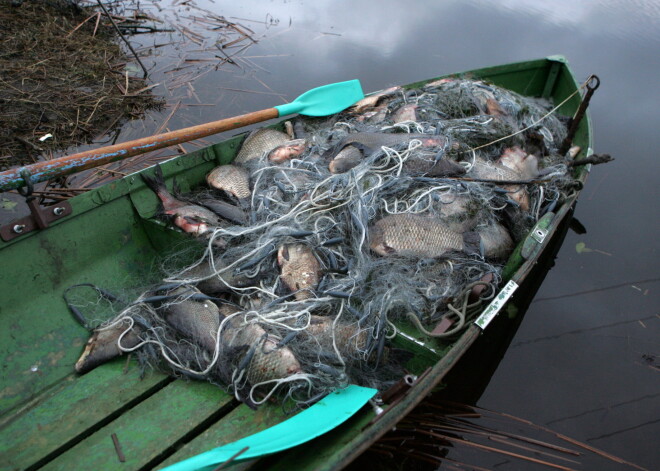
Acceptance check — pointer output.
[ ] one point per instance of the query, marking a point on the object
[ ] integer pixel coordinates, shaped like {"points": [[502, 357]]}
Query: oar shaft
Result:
{"points": [[45, 170]]}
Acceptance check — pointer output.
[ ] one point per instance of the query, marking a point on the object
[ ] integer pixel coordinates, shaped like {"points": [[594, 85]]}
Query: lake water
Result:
{"points": [[586, 359]]}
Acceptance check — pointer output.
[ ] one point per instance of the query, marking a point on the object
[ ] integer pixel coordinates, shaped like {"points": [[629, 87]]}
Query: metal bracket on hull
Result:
{"points": [[39, 218]]}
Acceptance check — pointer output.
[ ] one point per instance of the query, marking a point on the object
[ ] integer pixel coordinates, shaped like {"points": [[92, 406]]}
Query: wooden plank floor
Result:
{"points": [[239, 423], [76, 407], [150, 430]]}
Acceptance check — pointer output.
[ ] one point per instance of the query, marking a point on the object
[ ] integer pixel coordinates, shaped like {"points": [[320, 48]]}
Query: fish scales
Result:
{"points": [[269, 362], [349, 152], [413, 235], [300, 270], [232, 179], [496, 240], [260, 142], [375, 140], [196, 320], [219, 283], [498, 172], [347, 337]]}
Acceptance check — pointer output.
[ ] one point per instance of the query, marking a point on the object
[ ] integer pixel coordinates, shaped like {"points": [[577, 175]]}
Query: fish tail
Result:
{"points": [[155, 182], [157, 185], [472, 243]]}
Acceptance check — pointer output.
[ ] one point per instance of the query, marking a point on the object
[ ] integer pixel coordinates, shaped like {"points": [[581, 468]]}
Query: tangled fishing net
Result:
{"points": [[301, 299]]}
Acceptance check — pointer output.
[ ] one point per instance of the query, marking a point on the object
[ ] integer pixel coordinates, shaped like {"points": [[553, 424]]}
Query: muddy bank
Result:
{"points": [[64, 79]]}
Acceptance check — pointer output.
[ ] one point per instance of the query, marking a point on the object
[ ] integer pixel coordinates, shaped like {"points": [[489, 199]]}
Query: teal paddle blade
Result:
{"points": [[325, 415], [326, 100]]}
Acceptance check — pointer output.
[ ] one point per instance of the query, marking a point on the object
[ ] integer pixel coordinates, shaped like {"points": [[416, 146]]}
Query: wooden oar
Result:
{"points": [[321, 101]]}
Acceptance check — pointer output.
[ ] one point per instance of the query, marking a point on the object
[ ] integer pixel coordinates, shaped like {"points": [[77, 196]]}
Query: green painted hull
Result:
{"points": [[52, 418]]}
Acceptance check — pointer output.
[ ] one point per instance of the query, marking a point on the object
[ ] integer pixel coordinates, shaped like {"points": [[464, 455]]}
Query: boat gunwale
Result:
{"points": [[212, 156]]}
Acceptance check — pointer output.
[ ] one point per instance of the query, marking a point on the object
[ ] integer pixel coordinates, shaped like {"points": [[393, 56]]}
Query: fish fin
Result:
{"points": [[388, 249], [155, 182], [226, 210], [176, 189], [472, 243]]}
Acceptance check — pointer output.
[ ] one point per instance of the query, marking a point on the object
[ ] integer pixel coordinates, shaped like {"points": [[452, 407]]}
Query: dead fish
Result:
{"points": [[405, 113], [430, 165], [269, 362], [103, 345], [357, 145], [375, 116], [287, 151], [231, 179], [348, 339], [373, 99], [300, 270], [496, 241], [219, 283], [526, 165], [288, 127], [189, 217], [260, 142], [365, 143], [459, 211], [414, 235], [493, 108], [438, 83], [198, 321], [346, 159], [373, 141], [498, 172], [225, 210]]}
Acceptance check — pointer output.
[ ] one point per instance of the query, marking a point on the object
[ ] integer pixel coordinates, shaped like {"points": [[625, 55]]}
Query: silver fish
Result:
{"points": [[498, 172], [348, 339], [414, 235], [526, 165], [427, 164], [349, 151], [189, 217], [405, 113], [231, 179], [260, 142], [373, 141], [196, 320], [300, 270], [220, 283], [496, 241], [346, 159], [287, 151], [269, 361], [374, 116], [225, 210], [103, 345], [373, 99]]}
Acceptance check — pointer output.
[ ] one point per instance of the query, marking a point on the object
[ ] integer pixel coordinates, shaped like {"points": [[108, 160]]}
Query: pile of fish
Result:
{"points": [[317, 242]]}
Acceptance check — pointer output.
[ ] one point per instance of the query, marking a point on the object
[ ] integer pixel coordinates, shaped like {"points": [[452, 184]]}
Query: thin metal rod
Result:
{"points": [[144, 69]]}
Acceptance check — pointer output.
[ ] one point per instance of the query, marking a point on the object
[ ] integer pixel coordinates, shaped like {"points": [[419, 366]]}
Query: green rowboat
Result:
{"points": [[112, 418]]}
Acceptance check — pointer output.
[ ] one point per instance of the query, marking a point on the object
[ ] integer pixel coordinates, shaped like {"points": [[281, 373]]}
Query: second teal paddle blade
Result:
{"points": [[325, 415]]}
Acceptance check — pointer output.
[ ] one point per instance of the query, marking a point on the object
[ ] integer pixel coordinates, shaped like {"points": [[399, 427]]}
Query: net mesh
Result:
{"points": [[230, 314]]}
